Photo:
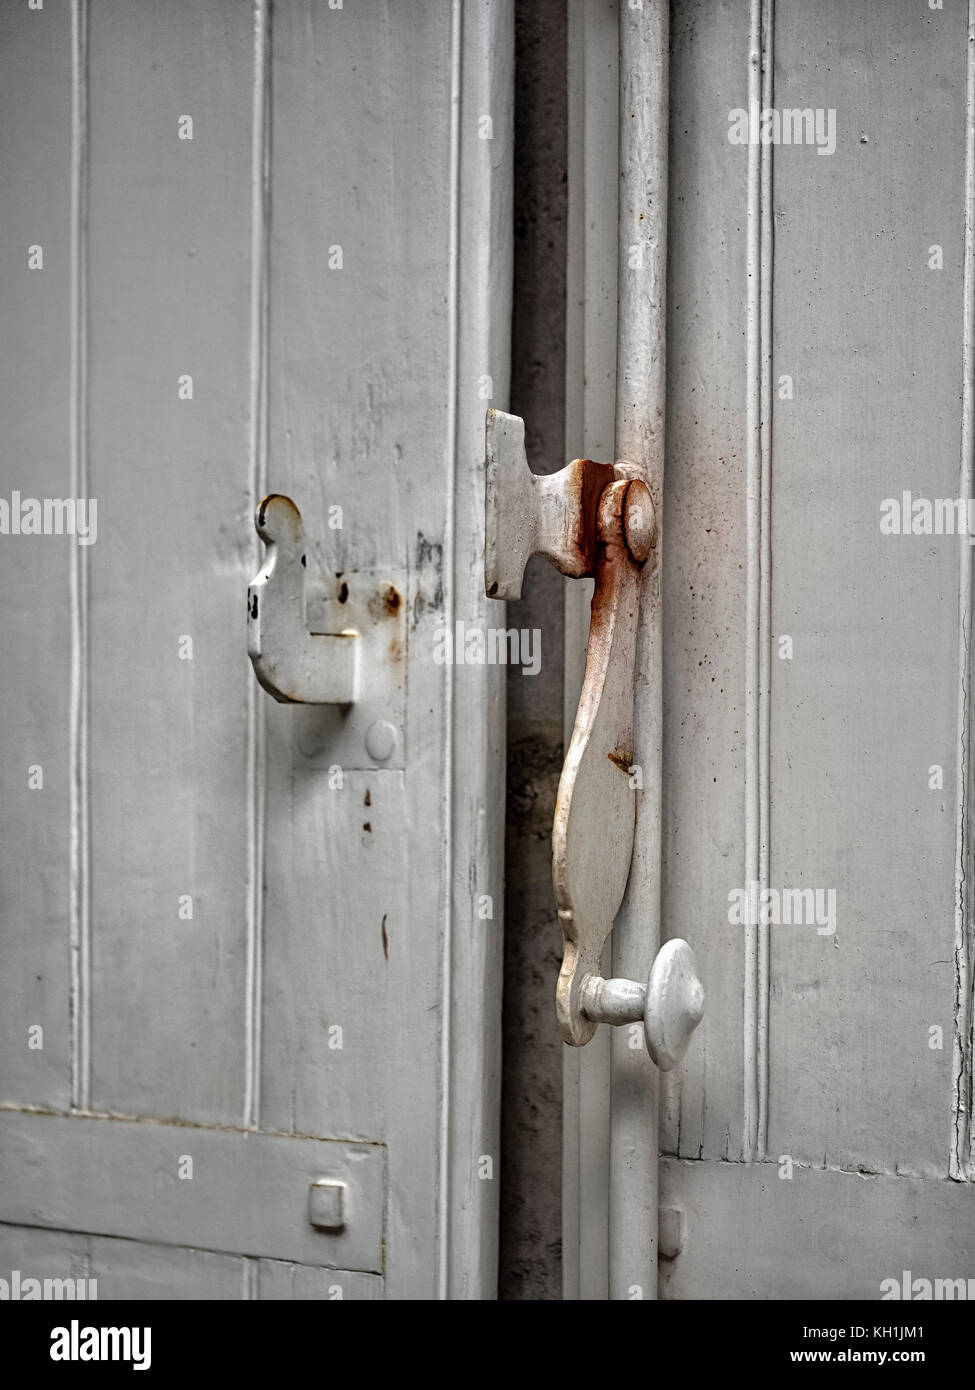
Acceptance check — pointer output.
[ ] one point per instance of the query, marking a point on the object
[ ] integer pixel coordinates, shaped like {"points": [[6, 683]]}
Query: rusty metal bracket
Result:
{"points": [[591, 520], [334, 642]]}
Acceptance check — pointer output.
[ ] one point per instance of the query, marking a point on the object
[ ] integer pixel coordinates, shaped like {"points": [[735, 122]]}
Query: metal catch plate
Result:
{"points": [[371, 733], [333, 645]]}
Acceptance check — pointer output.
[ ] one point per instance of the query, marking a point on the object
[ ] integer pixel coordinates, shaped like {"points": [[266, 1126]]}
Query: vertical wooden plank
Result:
{"points": [[35, 167], [961, 1156], [169, 260], [871, 337], [373, 874], [640, 443], [704, 577], [758, 579], [336, 941], [257, 444], [471, 970], [211, 999], [351, 425], [590, 394]]}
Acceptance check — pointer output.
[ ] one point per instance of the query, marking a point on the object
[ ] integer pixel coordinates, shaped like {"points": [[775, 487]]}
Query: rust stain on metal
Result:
{"points": [[386, 603], [593, 480], [624, 761], [385, 939], [368, 798]]}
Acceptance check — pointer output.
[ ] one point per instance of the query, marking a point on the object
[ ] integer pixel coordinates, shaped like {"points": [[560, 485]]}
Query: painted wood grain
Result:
{"points": [[182, 1185], [329, 259], [472, 954], [388, 299], [136, 1270], [704, 566], [350, 425], [590, 399], [823, 1234], [168, 251], [865, 378], [872, 340], [35, 396]]}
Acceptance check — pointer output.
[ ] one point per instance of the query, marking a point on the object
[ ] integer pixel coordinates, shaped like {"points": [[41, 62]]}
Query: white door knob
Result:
{"points": [[671, 1003]]}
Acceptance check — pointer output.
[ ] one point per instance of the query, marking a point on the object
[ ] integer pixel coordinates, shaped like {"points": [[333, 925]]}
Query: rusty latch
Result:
{"points": [[591, 520]]}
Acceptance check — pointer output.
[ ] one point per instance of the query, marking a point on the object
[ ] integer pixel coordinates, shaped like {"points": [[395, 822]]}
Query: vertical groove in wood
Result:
{"points": [[590, 402], [758, 439], [250, 1279], [640, 423], [450, 490], [961, 1157], [79, 746], [574, 639], [258, 446], [765, 596]]}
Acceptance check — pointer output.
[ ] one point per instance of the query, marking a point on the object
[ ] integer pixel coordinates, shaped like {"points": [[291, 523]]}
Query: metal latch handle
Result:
{"points": [[590, 520], [294, 665]]}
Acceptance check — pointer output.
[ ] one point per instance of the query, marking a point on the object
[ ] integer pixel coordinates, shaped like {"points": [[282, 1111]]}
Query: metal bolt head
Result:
{"points": [[670, 1227], [639, 520], [326, 1204]]}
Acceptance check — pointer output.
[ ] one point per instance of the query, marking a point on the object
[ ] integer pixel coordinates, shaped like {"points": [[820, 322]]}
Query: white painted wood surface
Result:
{"points": [[314, 907], [590, 399], [814, 771]]}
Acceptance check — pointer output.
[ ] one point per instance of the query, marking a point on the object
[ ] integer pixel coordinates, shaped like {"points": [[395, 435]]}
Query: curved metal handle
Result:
{"points": [[589, 520], [595, 813]]}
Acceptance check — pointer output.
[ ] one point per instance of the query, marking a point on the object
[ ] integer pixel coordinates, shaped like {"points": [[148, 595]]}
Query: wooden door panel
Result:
{"points": [[168, 288], [823, 1235], [133, 1269], [856, 360], [39, 575], [703, 573], [816, 359], [255, 949], [872, 338], [212, 1189]]}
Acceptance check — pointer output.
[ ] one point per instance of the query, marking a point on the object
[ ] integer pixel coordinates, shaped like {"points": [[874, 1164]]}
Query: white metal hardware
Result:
{"points": [[336, 643], [591, 519], [293, 664], [670, 1232], [326, 1204], [671, 1003]]}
